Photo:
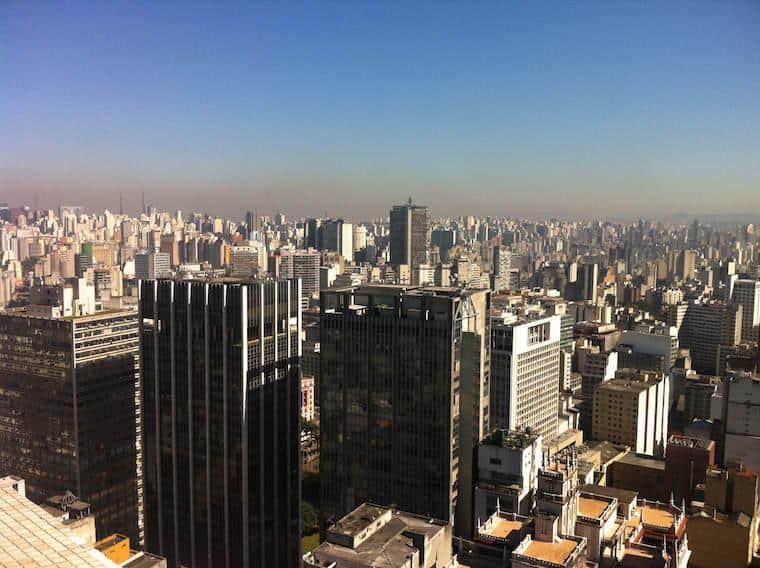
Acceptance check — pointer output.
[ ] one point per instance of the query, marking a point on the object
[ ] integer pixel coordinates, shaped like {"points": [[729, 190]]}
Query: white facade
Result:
{"points": [[633, 411], [508, 474], [525, 374]]}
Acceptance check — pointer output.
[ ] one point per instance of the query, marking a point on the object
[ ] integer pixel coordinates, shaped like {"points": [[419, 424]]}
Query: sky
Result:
{"points": [[568, 109]]}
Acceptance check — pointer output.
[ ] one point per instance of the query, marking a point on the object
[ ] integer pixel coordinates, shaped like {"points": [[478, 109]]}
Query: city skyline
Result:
{"points": [[522, 110]]}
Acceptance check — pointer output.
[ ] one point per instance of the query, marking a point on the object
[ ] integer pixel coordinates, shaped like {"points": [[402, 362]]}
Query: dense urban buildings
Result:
{"points": [[221, 394], [351, 284], [503, 360]]}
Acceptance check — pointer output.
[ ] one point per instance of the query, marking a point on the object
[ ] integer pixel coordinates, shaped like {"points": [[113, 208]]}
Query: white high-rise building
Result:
{"points": [[525, 374]]}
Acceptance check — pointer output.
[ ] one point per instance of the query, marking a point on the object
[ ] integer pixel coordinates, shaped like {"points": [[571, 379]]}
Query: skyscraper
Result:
{"points": [[221, 424], [588, 280], [70, 410], [304, 264], [399, 402], [337, 235], [747, 294], [707, 326], [410, 235], [525, 374]]}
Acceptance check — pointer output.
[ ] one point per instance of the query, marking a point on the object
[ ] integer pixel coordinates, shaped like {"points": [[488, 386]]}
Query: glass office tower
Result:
{"points": [[69, 410], [403, 397], [221, 395]]}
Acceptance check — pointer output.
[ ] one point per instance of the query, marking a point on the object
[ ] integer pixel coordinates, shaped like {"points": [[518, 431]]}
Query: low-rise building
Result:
{"points": [[508, 464], [31, 535], [597, 523], [379, 537], [725, 532]]}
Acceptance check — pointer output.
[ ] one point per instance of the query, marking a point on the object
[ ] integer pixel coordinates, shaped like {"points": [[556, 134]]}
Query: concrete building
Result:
{"points": [[633, 409], [741, 419], [508, 466], [379, 537], [305, 264], [597, 523], [605, 336], [705, 327], [554, 542], [338, 236], [595, 367], [725, 532], [403, 371], [703, 398], [247, 258], [648, 351], [496, 538], [221, 391], [588, 280], [746, 293], [525, 374], [686, 463], [70, 405], [686, 264], [31, 535], [152, 265]]}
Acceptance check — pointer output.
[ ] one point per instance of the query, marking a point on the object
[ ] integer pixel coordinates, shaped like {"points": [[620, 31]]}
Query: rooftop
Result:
{"points": [[515, 439], [593, 506], [642, 461], [622, 495], [504, 525], [358, 520], [657, 517], [387, 544], [31, 537], [557, 552]]}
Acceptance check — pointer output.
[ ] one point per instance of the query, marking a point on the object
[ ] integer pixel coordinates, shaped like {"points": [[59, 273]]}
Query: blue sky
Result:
{"points": [[548, 108]]}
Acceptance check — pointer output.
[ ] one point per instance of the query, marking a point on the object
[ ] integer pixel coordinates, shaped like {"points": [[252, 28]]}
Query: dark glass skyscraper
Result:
{"points": [[399, 404], [69, 410], [221, 424], [410, 230]]}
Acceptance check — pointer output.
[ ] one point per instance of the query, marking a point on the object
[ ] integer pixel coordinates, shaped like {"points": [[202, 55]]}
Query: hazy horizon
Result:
{"points": [[527, 110]]}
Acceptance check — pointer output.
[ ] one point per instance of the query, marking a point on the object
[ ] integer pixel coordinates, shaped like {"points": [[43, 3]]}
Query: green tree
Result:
{"points": [[309, 520]]}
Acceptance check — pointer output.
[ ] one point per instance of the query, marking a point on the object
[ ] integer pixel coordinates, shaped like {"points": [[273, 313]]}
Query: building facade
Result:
{"points": [[69, 401], [525, 374], [221, 429], [395, 412], [746, 293], [410, 232], [633, 409]]}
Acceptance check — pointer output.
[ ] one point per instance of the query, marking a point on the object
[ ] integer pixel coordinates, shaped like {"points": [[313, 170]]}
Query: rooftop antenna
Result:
{"points": [[121, 204], [410, 200], [143, 202]]}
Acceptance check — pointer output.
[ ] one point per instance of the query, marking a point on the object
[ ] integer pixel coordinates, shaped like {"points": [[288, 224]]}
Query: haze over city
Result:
{"points": [[569, 110]]}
